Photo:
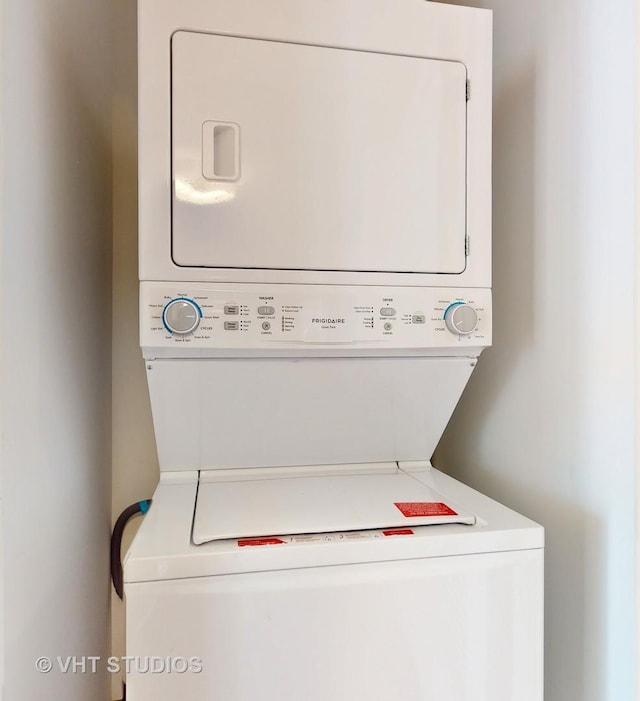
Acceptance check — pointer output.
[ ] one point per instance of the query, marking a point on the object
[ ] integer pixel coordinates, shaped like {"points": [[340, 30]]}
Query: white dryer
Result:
{"points": [[315, 292]]}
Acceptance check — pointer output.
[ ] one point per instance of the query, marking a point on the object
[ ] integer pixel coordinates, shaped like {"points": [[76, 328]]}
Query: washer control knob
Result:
{"points": [[181, 316], [461, 318]]}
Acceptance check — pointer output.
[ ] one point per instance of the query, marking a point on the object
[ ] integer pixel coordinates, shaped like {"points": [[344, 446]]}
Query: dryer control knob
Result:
{"points": [[461, 318], [181, 316]]}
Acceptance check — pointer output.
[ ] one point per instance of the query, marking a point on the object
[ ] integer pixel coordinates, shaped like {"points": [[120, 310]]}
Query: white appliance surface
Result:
{"points": [[259, 412], [298, 157], [324, 498], [315, 258], [430, 612], [462, 628], [163, 547], [315, 142], [242, 319]]}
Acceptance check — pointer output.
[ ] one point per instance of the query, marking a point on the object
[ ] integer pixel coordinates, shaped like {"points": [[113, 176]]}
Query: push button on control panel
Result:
{"points": [[387, 311], [231, 309], [230, 325], [266, 311], [418, 318]]}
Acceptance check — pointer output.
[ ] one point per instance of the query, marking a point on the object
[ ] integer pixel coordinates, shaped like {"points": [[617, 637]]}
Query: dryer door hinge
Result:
{"points": [[466, 246], [468, 93]]}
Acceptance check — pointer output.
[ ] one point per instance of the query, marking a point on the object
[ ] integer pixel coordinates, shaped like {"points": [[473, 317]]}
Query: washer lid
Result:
{"points": [[247, 503]]}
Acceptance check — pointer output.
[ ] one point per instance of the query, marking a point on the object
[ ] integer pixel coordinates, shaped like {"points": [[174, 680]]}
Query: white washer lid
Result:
{"points": [[250, 503]]}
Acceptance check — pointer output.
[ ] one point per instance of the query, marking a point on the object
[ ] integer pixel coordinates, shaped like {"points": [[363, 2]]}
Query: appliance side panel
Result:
{"points": [[308, 411], [467, 628]]}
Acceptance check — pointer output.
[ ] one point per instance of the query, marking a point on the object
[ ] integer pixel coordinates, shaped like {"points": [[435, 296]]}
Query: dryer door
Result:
{"points": [[297, 157]]}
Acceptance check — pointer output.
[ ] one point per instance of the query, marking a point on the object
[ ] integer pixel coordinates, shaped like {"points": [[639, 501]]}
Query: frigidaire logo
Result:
{"points": [[327, 321]]}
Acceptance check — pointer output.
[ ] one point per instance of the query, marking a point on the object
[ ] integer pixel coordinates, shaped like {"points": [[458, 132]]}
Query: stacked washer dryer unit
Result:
{"points": [[315, 292]]}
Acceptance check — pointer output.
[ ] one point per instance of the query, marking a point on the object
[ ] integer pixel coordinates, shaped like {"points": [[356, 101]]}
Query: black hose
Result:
{"points": [[140, 507]]}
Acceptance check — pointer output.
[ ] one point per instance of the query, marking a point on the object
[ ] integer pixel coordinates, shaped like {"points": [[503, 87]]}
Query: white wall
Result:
{"points": [[547, 424], [56, 333], [2, 575]]}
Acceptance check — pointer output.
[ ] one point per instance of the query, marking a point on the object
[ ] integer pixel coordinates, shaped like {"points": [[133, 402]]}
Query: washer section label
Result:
{"points": [[245, 542], [411, 509]]}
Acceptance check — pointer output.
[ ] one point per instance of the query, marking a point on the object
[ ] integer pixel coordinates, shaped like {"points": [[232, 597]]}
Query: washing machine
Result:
{"points": [[315, 266]]}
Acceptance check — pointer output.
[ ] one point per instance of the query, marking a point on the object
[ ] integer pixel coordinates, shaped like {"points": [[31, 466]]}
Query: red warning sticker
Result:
{"points": [[259, 541], [424, 508], [398, 531]]}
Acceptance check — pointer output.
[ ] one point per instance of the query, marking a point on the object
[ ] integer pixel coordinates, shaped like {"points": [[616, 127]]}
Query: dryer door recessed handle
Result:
{"points": [[221, 150]]}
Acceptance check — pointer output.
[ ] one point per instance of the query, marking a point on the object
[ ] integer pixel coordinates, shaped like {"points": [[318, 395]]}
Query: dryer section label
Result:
{"points": [[424, 508]]}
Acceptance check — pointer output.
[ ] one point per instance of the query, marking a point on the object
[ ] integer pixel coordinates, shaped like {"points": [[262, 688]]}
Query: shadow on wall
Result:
{"points": [[135, 464], [523, 428], [513, 262]]}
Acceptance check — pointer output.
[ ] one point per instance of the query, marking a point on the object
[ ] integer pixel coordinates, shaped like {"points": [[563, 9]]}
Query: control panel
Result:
{"points": [[246, 316]]}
